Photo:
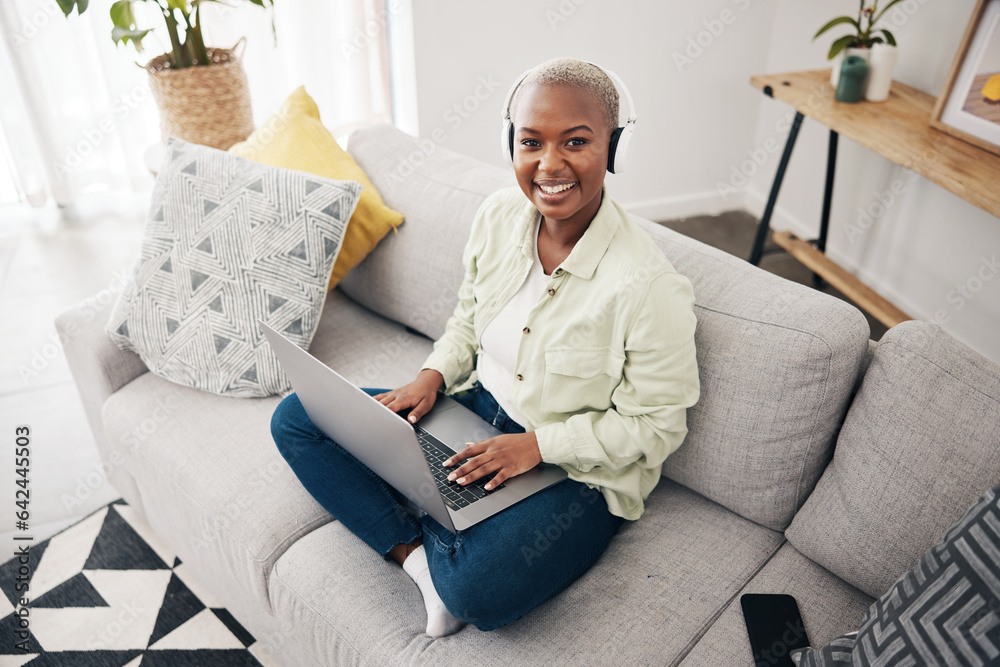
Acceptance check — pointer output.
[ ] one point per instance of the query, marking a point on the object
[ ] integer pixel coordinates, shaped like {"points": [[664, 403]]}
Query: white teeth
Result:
{"points": [[552, 190]]}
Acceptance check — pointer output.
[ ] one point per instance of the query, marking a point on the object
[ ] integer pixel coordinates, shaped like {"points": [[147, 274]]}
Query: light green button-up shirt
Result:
{"points": [[606, 367]]}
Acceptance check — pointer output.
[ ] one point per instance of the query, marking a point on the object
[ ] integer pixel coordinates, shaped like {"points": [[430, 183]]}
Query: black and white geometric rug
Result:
{"points": [[106, 592]]}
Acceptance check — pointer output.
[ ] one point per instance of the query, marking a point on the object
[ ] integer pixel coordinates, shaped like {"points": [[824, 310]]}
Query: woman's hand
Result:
{"points": [[506, 455], [418, 395]]}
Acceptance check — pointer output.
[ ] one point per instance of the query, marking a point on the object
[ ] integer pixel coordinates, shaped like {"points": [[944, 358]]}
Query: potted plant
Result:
{"points": [[862, 41], [201, 92]]}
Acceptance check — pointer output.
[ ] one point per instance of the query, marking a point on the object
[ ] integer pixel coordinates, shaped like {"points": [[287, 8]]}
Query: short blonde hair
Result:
{"points": [[573, 72]]}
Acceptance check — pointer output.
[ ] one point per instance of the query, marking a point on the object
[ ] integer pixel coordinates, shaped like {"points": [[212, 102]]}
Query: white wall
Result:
{"points": [[690, 122], [700, 121], [928, 242]]}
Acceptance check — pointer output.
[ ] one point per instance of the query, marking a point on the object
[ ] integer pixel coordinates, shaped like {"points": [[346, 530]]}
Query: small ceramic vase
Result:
{"points": [[853, 73]]}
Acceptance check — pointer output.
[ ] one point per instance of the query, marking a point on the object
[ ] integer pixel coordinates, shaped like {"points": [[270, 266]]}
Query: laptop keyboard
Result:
{"points": [[455, 495]]}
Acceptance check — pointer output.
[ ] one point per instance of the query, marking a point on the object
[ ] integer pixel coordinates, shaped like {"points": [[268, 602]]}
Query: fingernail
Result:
{"points": [[489, 486], [413, 420], [461, 481], [448, 462], [451, 477]]}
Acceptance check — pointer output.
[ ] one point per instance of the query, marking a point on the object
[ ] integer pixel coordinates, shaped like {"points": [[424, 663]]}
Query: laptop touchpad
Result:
{"points": [[453, 424]]}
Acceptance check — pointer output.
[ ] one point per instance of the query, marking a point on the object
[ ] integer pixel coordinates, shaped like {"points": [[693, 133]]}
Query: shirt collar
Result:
{"points": [[589, 250]]}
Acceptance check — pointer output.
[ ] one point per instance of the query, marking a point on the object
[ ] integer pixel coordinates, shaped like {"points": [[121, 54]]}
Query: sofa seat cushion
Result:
{"points": [[829, 607], [651, 595], [918, 446], [212, 482], [778, 363]]}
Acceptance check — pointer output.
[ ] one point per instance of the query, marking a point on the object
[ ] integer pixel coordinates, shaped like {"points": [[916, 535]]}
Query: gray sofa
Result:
{"points": [[818, 463]]}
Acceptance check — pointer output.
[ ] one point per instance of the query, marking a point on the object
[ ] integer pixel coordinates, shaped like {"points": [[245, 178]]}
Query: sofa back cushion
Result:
{"points": [[920, 443], [414, 274], [778, 362]]}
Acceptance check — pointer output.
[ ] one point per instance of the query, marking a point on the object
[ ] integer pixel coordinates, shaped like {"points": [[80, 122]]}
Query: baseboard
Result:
{"points": [[755, 202], [686, 206]]}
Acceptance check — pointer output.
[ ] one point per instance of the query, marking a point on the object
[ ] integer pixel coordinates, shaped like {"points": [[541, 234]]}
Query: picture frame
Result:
{"points": [[966, 108]]}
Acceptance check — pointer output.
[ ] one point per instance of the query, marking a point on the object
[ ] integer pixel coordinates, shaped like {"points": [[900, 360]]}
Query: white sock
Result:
{"points": [[440, 622]]}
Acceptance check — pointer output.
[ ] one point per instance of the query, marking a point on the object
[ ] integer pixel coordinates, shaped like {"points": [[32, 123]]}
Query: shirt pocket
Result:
{"points": [[580, 379]]}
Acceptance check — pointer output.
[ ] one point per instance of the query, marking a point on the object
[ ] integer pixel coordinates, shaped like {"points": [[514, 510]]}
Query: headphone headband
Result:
{"points": [[618, 152]]}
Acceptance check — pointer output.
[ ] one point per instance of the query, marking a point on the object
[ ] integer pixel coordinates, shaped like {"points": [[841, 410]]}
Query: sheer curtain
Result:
{"points": [[77, 113]]}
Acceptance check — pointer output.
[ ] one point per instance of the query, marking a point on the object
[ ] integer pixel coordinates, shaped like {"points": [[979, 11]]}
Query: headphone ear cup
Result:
{"points": [[613, 148], [506, 139], [621, 149]]}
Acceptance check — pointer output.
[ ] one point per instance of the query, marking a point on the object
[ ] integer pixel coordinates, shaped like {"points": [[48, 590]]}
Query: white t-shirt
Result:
{"points": [[503, 335]]}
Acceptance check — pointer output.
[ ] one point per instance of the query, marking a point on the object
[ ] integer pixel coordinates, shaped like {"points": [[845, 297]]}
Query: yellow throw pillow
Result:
{"points": [[294, 138]]}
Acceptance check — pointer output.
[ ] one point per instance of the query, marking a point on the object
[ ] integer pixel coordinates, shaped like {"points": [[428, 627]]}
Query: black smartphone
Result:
{"points": [[775, 627]]}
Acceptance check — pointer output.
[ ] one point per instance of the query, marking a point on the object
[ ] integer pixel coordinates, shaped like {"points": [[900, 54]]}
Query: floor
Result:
{"points": [[48, 264]]}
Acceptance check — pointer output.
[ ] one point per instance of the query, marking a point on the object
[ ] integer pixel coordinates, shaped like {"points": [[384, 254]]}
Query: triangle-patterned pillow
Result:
{"points": [[229, 241]]}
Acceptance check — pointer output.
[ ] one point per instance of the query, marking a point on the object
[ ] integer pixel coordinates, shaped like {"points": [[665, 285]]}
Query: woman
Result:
{"points": [[582, 336]]}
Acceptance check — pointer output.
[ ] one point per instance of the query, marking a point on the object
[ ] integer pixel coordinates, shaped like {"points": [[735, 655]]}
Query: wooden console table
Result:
{"points": [[898, 129]]}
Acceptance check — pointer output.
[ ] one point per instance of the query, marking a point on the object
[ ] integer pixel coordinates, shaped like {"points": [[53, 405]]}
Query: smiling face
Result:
{"points": [[561, 140]]}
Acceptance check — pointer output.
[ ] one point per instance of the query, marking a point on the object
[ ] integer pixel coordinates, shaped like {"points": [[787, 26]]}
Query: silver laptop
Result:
{"points": [[408, 457]]}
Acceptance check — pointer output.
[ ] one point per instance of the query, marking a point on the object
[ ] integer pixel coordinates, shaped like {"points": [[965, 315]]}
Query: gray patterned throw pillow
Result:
{"points": [[945, 611], [229, 241]]}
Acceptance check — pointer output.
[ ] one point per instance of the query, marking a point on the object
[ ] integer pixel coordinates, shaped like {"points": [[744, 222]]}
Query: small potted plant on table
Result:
{"points": [[876, 45]]}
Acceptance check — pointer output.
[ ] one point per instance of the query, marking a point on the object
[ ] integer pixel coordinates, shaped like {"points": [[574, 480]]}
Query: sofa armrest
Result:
{"points": [[98, 366]]}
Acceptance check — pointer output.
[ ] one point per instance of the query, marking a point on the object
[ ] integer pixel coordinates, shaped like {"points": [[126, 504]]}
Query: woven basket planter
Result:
{"points": [[205, 104]]}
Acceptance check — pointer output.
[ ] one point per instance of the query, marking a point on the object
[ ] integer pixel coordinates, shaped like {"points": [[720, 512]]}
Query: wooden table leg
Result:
{"points": [[824, 223], [765, 222]]}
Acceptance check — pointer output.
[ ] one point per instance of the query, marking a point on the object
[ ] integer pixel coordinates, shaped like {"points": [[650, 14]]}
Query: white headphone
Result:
{"points": [[621, 137]]}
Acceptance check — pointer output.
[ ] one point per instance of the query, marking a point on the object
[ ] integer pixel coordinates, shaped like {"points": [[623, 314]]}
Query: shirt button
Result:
{"points": [[552, 291], [559, 272], [519, 376], [525, 330]]}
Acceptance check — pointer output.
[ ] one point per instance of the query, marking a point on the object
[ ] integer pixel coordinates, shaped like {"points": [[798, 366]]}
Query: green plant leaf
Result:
{"points": [[875, 40], [125, 29], [840, 45], [875, 19], [890, 39], [182, 5], [67, 6], [124, 35], [840, 20], [122, 15]]}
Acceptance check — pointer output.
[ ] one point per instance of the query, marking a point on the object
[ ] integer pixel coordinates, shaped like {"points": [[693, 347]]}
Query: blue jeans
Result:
{"points": [[489, 574]]}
